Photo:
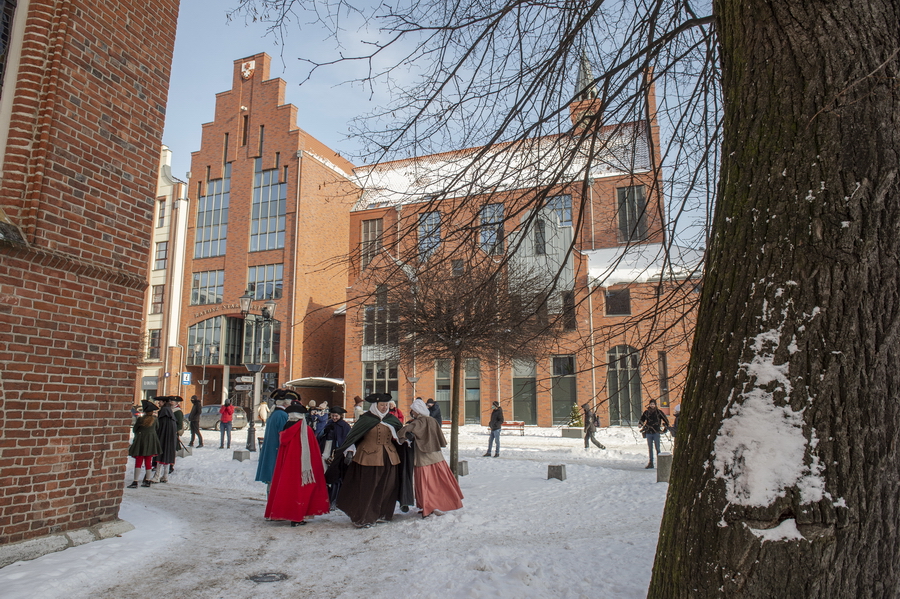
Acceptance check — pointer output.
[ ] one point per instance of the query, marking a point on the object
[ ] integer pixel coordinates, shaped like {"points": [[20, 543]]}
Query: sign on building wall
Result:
{"points": [[185, 378]]}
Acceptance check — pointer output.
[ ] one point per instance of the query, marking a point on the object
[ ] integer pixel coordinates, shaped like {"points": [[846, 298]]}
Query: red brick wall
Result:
{"points": [[79, 179]]}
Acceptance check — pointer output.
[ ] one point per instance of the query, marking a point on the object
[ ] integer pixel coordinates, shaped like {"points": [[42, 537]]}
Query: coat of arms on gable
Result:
{"points": [[247, 69]]}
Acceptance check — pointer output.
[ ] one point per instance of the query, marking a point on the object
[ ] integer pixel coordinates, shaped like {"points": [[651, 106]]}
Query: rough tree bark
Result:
{"points": [[802, 277]]}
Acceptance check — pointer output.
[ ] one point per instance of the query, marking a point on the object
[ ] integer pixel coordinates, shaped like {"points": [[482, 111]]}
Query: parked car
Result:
{"points": [[209, 417]]}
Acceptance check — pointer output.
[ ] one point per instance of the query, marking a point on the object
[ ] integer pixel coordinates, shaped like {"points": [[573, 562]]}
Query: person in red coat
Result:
{"points": [[298, 488]]}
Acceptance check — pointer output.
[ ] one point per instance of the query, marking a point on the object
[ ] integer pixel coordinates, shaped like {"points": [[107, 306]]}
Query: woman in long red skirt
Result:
{"points": [[435, 485], [298, 487]]}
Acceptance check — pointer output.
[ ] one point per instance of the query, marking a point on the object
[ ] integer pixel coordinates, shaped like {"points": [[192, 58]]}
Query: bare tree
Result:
{"points": [[471, 311]]}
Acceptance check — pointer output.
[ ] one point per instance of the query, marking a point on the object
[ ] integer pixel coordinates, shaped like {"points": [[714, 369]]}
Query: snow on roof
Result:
{"points": [[639, 263], [619, 149]]}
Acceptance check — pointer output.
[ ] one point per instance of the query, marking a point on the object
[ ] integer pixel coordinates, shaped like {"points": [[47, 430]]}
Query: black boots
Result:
{"points": [[133, 485], [487, 455]]}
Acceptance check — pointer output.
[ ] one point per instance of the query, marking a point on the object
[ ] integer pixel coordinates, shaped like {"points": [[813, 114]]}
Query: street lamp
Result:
{"points": [[267, 317]]}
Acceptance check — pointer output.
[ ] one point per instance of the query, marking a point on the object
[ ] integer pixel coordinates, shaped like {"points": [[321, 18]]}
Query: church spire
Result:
{"points": [[584, 85]]}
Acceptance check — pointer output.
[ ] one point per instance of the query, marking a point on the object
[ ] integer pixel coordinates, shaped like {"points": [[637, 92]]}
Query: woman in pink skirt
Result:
{"points": [[435, 486]]}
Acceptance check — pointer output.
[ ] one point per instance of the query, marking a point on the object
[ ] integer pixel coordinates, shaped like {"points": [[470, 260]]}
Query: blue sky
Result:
{"points": [[206, 46]]}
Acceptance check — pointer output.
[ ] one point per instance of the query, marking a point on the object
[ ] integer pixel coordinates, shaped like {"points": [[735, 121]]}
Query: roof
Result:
{"points": [[639, 263], [620, 149], [316, 382]]}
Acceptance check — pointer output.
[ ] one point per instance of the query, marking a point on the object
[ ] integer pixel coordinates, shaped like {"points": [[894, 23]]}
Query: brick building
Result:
{"points": [[625, 314], [269, 215], [163, 297], [82, 104]]}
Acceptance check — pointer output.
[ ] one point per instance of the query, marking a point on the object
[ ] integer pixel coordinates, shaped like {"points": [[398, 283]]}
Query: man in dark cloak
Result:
{"points": [[167, 431]]}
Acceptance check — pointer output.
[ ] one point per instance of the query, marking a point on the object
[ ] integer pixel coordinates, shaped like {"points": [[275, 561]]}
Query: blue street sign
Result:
{"points": [[185, 378]]}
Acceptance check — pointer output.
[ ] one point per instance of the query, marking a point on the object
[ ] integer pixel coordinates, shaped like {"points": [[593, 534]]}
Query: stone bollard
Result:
{"points": [[241, 455], [558, 472], [462, 468], [663, 466]]}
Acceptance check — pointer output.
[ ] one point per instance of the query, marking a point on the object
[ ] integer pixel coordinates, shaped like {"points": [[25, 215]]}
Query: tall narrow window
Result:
{"points": [[267, 219], [525, 390], [7, 15], [212, 217], [265, 282], [262, 137], [662, 364], [371, 240], [632, 209], [491, 221], [429, 234], [380, 321], [245, 129], [624, 385], [207, 287], [154, 341], [540, 237], [161, 214], [442, 374], [563, 388], [261, 346], [569, 315], [473, 391], [157, 296], [162, 255], [457, 268]]}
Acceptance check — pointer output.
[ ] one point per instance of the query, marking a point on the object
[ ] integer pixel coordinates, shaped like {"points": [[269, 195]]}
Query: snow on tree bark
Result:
{"points": [[785, 480]]}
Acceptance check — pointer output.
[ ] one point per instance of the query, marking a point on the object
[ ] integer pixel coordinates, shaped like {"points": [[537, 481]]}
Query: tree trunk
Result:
{"points": [[790, 415], [454, 416]]}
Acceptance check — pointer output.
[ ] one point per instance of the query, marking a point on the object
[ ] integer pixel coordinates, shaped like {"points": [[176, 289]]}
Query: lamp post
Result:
{"points": [[267, 317]]}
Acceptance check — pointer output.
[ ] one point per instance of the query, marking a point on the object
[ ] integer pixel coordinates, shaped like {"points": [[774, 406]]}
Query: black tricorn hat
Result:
{"points": [[293, 396], [374, 398], [337, 410], [296, 407], [148, 406]]}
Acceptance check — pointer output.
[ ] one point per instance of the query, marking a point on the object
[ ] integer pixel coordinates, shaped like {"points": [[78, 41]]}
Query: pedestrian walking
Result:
{"points": [[591, 423], [226, 422], [144, 446], [371, 485], [495, 425], [298, 488], [194, 421], [263, 412], [436, 488], [333, 436], [167, 432], [653, 422]]}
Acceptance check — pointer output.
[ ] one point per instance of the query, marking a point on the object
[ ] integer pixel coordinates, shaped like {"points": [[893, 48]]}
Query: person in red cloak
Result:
{"points": [[298, 488]]}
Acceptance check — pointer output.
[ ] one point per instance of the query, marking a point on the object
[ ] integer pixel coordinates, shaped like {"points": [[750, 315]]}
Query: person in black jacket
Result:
{"points": [[434, 410], [495, 425], [591, 422], [194, 419], [653, 422]]}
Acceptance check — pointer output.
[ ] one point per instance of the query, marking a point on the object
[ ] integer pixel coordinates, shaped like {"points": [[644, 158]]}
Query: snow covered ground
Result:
{"points": [[519, 536]]}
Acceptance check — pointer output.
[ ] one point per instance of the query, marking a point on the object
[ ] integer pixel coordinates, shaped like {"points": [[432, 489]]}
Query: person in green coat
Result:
{"points": [[145, 445]]}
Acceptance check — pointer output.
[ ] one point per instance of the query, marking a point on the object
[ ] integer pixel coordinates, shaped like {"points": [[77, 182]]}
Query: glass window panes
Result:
{"points": [[154, 341], [473, 390], [161, 214], [267, 217], [157, 299], [429, 234], [525, 390], [212, 217], [491, 230], [207, 287], [380, 377], [632, 209], [162, 254], [562, 388], [561, 206], [370, 240], [624, 385], [618, 302], [265, 282], [207, 333], [261, 340]]}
